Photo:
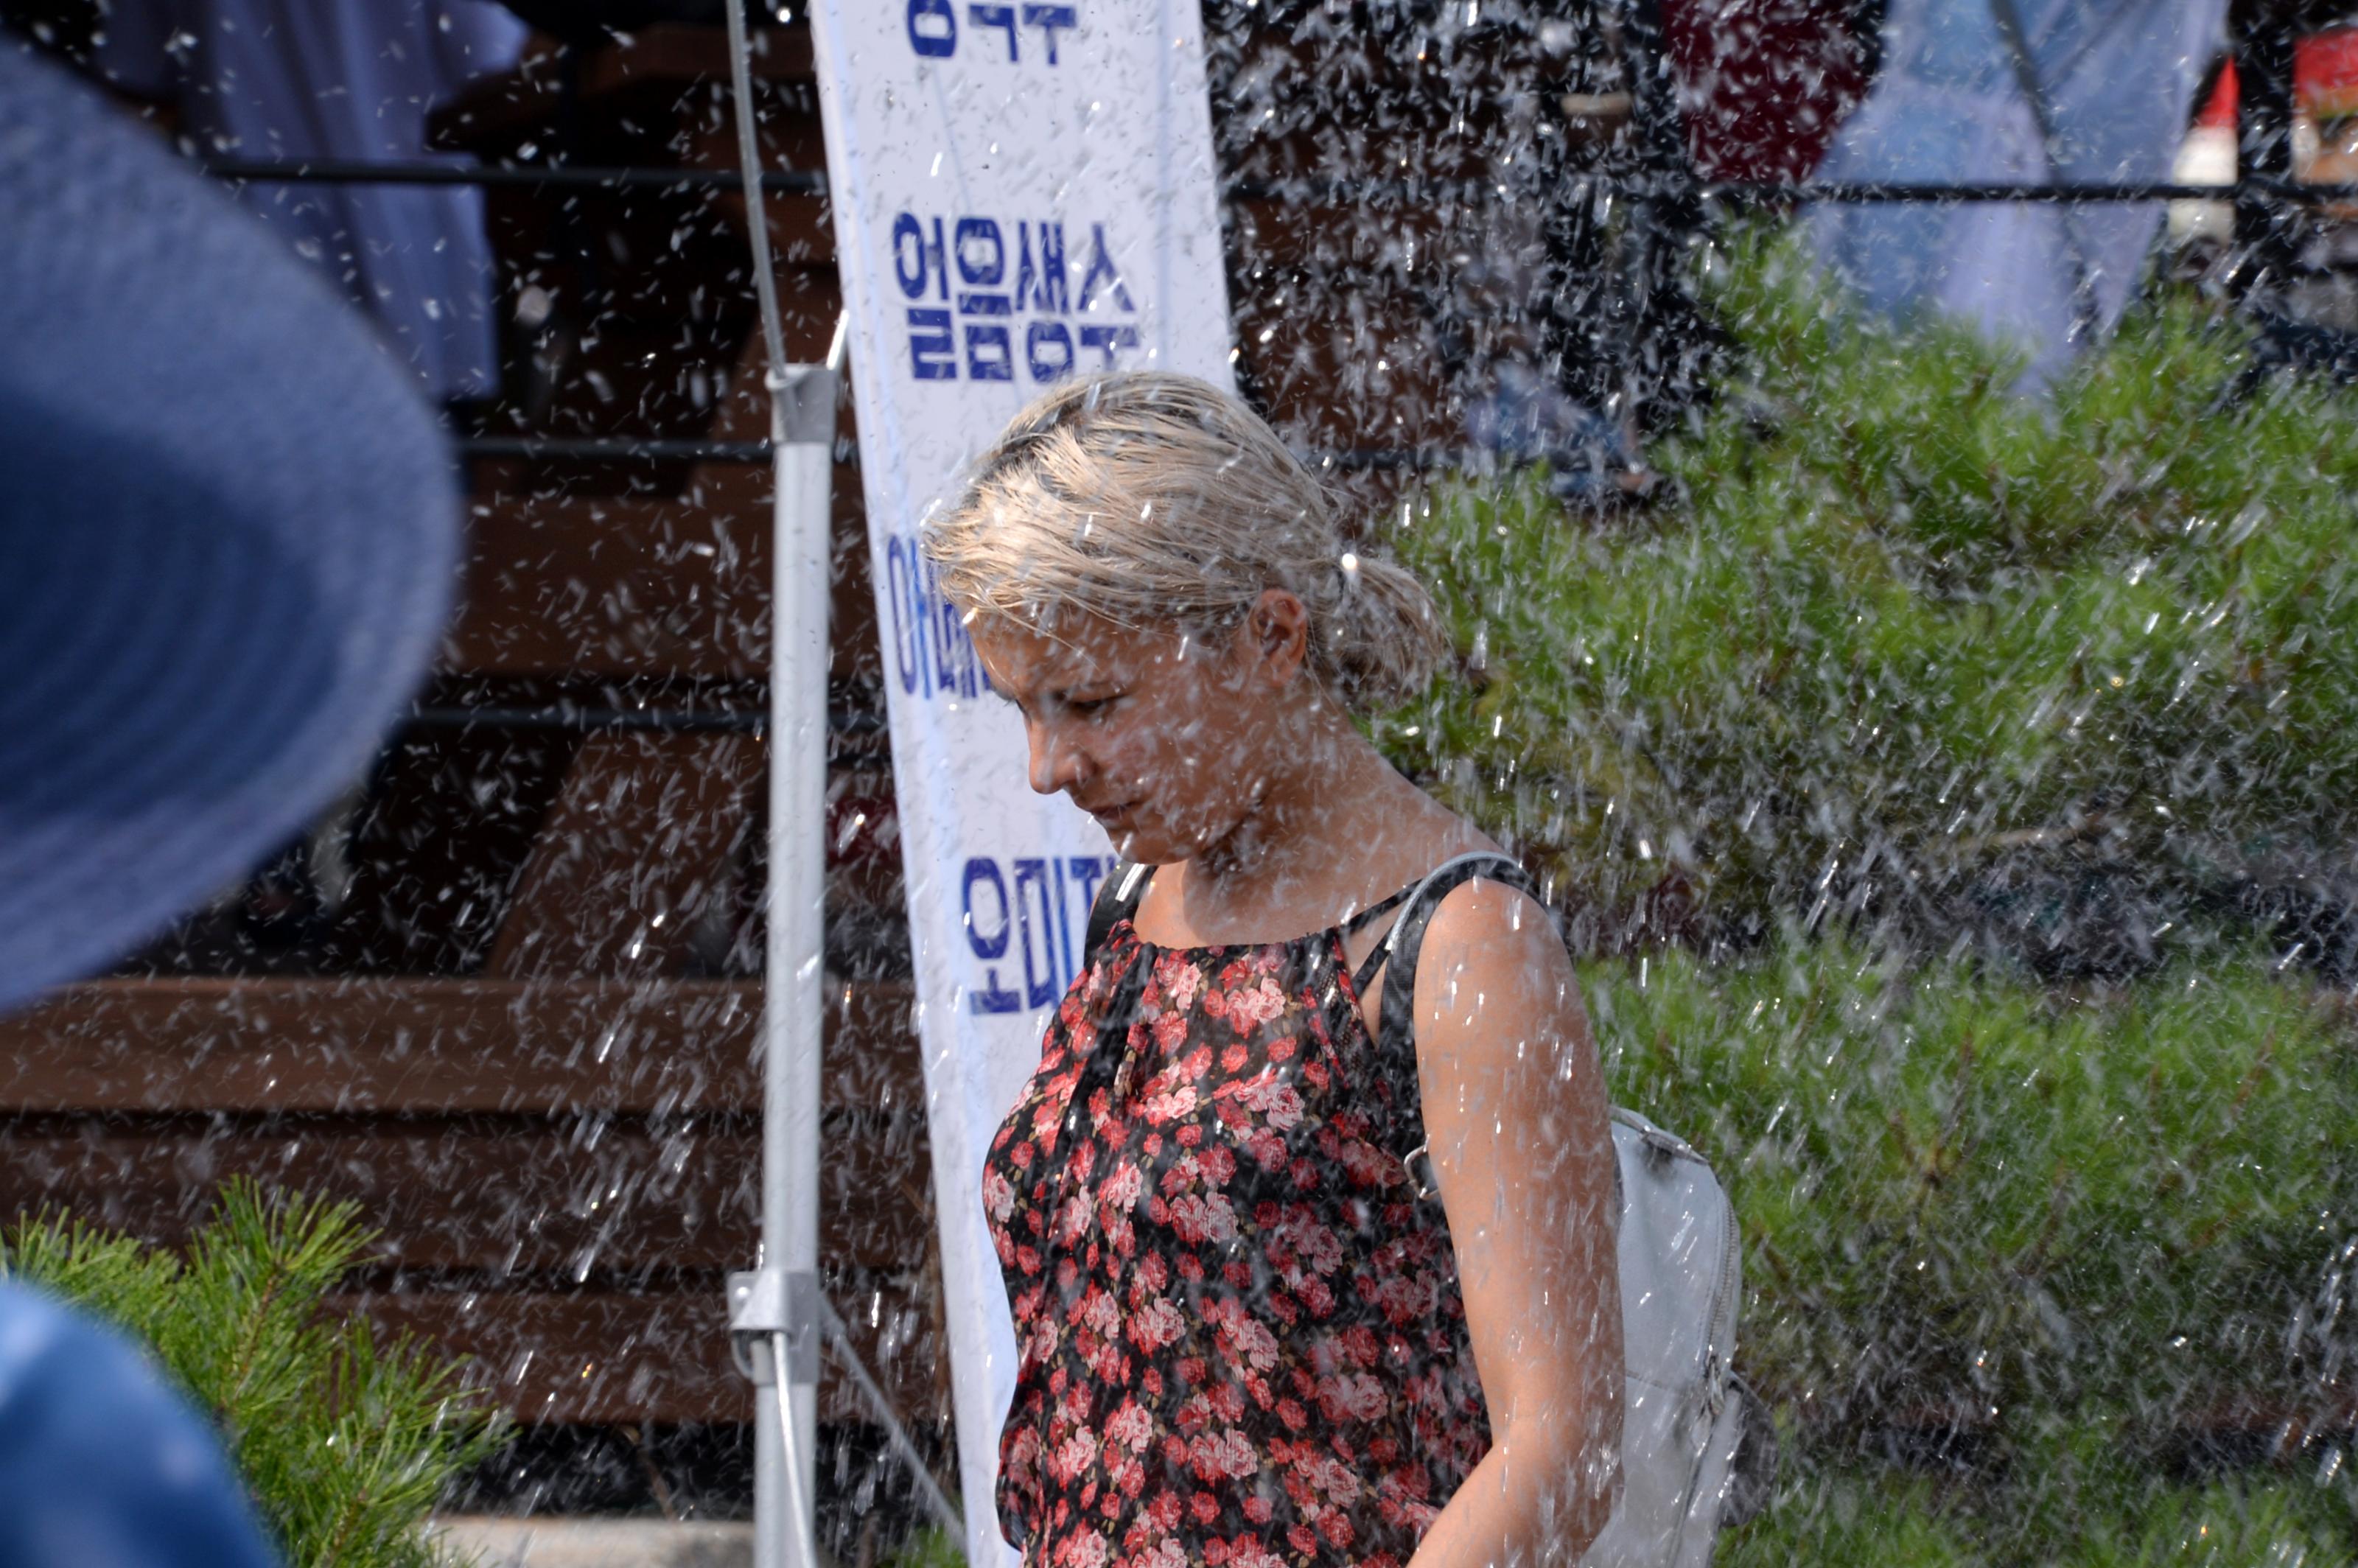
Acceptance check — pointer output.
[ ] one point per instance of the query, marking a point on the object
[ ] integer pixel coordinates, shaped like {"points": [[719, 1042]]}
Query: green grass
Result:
{"points": [[1889, 620], [345, 1442]]}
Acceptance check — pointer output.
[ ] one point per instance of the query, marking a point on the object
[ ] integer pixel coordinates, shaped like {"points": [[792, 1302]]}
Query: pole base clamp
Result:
{"points": [[765, 1303]]}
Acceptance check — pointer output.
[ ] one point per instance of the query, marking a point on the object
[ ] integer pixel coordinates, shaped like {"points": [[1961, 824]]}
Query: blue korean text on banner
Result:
{"points": [[1022, 193]]}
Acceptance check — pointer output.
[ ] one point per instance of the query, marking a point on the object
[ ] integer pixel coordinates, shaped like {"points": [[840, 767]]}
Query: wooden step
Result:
{"points": [[659, 1355], [561, 1171], [642, 847], [614, 585], [632, 585], [492, 1197], [408, 1046]]}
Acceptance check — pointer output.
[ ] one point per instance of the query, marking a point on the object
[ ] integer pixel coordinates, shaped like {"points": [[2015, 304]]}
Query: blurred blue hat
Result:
{"points": [[228, 536]]}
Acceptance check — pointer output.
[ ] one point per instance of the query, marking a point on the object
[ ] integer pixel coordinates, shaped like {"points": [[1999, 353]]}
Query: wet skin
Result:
{"points": [[1220, 758]]}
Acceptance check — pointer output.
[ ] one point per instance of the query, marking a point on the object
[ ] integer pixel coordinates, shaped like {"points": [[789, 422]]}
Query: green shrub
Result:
{"points": [[1852, 1518], [1839, 1519], [2062, 1231], [1893, 629], [345, 1443], [2222, 1525], [1896, 654], [1967, 1199], [930, 1547]]}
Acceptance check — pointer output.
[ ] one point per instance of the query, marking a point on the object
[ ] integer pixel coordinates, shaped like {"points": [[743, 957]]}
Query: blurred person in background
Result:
{"points": [[1528, 161], [350, 80]]}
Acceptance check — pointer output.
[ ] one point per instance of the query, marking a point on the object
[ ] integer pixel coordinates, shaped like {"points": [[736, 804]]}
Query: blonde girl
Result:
{"points": [[1288, 1287]]}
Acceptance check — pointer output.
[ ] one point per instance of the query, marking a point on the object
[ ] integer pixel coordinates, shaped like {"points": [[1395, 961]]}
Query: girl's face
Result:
{"points": [[1160, 735]]}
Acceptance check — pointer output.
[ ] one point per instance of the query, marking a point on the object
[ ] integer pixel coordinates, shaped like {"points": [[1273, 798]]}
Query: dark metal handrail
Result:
{"points": [[630, 448], [1307, 188], [612, 448], [424, 171], [571, 719]]}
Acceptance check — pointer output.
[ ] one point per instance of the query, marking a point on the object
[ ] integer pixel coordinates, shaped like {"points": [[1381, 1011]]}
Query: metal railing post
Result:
{"points": [[2267, 226]]}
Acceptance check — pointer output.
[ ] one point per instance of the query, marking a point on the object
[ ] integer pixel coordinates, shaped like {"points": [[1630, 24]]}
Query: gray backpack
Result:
{"points": [[1697, 1450]]}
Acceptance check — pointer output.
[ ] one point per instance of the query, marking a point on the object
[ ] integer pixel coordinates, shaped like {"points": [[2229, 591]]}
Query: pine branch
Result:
{"points": [[345, 1444]]}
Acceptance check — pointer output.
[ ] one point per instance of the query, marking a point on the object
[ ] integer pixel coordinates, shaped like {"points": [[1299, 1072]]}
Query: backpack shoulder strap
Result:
{"points": [[1117, 899], [1397, 953]]}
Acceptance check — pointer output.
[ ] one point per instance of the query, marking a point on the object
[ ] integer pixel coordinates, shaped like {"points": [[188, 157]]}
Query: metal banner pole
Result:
{"points": [[773, 1311]]}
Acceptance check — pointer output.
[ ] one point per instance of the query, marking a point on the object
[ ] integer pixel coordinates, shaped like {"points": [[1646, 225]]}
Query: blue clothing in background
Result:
{"points": [[289, 79], [102, 1466], [2027, 91]]}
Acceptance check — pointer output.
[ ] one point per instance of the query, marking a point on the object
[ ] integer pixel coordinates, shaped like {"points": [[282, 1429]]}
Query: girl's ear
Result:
{"points": [[1276, 634]]}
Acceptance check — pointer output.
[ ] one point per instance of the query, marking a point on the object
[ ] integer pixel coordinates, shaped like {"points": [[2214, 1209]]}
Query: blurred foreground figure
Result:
{"points": [[227, 538], [100, 1466]]}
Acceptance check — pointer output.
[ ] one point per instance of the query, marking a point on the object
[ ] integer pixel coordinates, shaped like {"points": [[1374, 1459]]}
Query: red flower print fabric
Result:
{"points": [[1242, 1340]]}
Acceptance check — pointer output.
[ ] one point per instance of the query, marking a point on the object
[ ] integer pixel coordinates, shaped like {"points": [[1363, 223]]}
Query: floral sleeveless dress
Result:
{"points": [[1242, 1340]]}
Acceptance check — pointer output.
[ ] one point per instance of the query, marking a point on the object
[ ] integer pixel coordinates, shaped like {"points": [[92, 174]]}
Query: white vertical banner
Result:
{"points": [[1022, 193]]}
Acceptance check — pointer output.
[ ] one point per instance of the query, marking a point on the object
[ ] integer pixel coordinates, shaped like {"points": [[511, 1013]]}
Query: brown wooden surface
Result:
{"points": [[621, 585], [584, 1356], [548, 1200], [441, 1046], [568, 582], [609, 1356], [637, 858], [612, 584], [560, 1173]]}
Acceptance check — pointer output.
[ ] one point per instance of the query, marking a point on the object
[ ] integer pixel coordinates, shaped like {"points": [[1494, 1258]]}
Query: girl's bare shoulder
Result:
{"points": [[1405, 833]]}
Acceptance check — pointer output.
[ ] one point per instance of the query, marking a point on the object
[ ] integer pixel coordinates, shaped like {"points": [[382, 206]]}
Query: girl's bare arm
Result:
{"points": [[1515, 1109]]}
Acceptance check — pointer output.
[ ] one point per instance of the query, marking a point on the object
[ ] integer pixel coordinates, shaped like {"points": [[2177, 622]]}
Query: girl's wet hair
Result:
{"points": [[1147, 500]]}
